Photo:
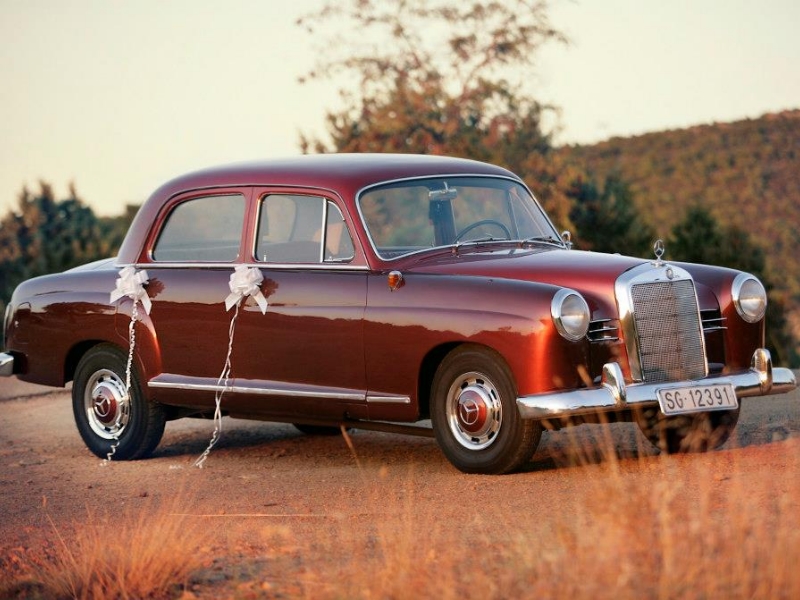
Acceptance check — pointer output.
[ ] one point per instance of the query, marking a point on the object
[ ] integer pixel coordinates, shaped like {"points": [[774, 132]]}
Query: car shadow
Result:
{"points": [[566, 448], [279, 440], [595, 445], [192, 436]]}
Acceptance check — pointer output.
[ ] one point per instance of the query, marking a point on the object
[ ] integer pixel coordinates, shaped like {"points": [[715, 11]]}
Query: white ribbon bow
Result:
{"points": [[130, 283], [246, 281]]}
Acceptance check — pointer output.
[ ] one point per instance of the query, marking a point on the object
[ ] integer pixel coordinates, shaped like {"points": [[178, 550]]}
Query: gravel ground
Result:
{"points": [[271, 480]]}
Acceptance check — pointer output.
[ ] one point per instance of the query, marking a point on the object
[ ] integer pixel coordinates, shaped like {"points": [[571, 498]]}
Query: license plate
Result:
{"points": [[697, 398]]}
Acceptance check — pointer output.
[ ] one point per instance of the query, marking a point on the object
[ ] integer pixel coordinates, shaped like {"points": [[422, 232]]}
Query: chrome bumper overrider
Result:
{"points": [[614, 395], [6, 364]]}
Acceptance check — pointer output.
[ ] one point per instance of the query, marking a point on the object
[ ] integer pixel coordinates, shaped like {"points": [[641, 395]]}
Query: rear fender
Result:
{"points": [[147, 352]]}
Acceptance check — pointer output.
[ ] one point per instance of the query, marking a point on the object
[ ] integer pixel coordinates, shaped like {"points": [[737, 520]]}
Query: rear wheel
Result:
{"points": [[698, 432], [475, 416], [111, 421]]}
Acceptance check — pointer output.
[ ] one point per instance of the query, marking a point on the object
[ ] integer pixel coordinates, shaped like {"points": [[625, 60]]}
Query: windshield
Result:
{"points": [[414, 215]]}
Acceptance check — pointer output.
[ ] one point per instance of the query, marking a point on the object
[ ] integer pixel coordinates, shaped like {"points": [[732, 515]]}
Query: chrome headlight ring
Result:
{"points": [[570, 314], [749, 297]]}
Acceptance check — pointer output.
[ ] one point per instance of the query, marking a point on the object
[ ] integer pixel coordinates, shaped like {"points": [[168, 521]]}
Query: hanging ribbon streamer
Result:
{"points": [[245, 281], [130, 284]]}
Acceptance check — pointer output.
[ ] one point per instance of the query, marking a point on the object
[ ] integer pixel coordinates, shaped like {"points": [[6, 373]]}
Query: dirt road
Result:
{"points": [[279, 489]]}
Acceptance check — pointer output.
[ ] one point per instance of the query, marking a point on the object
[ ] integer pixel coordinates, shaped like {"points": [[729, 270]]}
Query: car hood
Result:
{"points": [[593, 274]]}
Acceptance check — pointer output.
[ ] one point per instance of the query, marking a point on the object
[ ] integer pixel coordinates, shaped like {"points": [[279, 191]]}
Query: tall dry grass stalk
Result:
{"points": [[124, 555], [658, 527], [714, 525], [698, 532]]}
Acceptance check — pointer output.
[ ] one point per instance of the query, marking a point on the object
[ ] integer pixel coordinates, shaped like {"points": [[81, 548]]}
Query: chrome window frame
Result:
{"points": [[349, 264], [172, 207]]}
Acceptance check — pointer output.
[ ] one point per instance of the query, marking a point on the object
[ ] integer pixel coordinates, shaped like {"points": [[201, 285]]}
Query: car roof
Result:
{"points": [[340, 172], [344, 174]]}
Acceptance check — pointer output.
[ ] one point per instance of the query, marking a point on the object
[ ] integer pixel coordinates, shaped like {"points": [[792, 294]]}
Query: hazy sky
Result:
{"points": [[119, 96]]}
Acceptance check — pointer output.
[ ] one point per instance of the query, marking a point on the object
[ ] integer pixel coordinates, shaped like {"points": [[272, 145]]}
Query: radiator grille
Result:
{"points": [[668, 326]]}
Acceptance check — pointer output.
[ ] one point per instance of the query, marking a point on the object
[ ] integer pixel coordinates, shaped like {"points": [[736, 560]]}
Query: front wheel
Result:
{"points": [[698, 432], [112, 422], [475, 416]]}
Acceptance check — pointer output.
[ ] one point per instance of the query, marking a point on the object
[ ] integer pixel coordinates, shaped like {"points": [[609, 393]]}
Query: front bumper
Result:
{"points": [[614, 395], [6, 364]]}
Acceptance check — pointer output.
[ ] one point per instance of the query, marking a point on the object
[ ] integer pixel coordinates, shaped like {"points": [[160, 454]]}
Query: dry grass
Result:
{"points": [[701, 531], [121, 555], [699, 526], [683, 537]]}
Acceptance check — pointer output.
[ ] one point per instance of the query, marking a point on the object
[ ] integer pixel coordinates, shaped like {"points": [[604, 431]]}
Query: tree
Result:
{"points": [[441, 77], [113, 229], [45, 235], [607, 220], [698, 238], [744, 172]]}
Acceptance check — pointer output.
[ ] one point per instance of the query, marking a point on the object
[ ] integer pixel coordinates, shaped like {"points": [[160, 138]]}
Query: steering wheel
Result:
{"points": [[477, 224]]}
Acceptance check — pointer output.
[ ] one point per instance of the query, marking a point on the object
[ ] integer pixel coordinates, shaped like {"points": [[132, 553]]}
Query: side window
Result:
{"points": [[301, 229], [206, 229], [338, 243]]}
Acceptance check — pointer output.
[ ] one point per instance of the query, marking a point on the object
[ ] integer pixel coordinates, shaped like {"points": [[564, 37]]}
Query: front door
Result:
{"points": [[305, 355]]}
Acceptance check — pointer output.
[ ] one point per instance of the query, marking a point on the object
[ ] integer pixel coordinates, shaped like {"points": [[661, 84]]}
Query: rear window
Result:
{"points": [[206, 229]]}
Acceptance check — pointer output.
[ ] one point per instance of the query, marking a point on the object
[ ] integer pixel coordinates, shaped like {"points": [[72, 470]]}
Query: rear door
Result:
{"points": [[190, 260]]}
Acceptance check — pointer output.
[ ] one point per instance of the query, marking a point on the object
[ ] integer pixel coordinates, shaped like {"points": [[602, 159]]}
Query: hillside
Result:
{"points": [[746, 173]]}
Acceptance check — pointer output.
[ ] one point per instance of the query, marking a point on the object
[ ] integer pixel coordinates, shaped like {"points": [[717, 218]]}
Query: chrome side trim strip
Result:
{"points": [[261, 388], [328, 266], [272, 388], [613, 395], [387, 399]]}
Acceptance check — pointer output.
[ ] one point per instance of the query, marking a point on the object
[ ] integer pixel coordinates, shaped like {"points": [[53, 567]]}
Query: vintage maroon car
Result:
{"points": [[380, 291]]}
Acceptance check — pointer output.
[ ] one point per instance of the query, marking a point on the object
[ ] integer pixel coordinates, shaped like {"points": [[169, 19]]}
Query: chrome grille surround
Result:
{"points": [[660, 322]]}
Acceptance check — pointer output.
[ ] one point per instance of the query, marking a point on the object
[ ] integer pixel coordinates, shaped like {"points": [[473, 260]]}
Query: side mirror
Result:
{"points": [[566, 237]]}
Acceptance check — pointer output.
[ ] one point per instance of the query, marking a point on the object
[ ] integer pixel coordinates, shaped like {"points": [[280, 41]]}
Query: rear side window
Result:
{"points": [[206, 229], [302, 229]]}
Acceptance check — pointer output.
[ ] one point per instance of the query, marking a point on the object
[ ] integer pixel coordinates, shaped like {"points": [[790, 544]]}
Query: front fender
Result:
{"points": [[741, 338], [511, 317]]}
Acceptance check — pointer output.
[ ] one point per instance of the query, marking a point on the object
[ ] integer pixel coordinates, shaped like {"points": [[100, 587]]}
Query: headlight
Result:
{"points": [[750, 297], [570, 314]]}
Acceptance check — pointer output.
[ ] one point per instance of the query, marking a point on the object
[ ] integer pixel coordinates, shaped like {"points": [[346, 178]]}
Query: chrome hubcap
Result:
{"points": [[474, 411], [106, 404]]}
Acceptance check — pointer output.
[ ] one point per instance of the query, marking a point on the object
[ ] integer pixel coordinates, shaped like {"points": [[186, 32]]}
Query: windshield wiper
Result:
{"points": [[542, 239], [480, 241]]}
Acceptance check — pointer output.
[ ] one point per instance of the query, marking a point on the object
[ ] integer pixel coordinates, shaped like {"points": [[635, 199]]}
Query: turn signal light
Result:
{"points": [[395, 280]]}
